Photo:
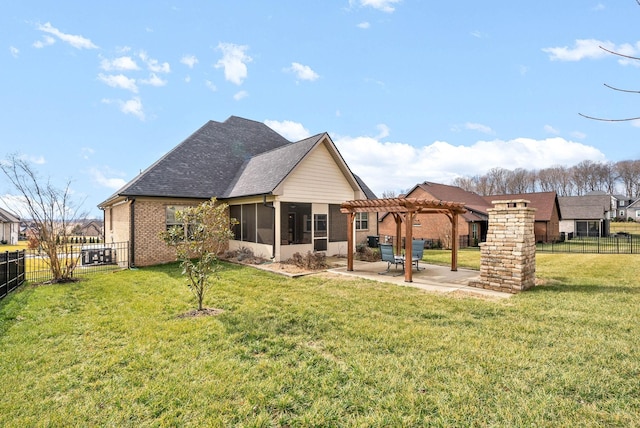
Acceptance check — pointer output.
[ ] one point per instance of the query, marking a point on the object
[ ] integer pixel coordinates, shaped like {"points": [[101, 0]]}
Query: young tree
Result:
{"points": [[51, 210], [203, 233]]}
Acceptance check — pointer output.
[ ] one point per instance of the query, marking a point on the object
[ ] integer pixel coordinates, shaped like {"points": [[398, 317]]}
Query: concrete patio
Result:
{"points": [[434, 278]]}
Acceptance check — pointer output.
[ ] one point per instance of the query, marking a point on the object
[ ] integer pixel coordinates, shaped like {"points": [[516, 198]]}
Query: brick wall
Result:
{"points": [[426, 226], [150, 222]]}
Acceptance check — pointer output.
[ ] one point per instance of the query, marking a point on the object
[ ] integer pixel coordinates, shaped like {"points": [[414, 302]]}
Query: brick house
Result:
{"points": [[437, 227], [547, 216], [285, 195], [473, 224]]}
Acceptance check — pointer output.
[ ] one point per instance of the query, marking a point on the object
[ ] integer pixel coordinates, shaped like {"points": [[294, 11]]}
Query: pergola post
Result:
{"points": [[408, 247], [350, 220], [398, 219], [454, 242]]}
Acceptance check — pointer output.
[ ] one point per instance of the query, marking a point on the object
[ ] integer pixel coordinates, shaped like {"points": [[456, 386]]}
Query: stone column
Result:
{"points": [[508, 257]]}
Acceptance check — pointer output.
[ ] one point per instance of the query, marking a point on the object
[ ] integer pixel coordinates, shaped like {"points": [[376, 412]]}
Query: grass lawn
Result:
{"points": [[318, 351]]}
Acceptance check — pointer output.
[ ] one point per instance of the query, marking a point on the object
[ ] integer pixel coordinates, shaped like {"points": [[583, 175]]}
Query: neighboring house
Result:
{"points": [[622, 211], [473, 224], [633, 210], [547, 216], [286, 196], [587, 215], [9, 227], [88, 228]]}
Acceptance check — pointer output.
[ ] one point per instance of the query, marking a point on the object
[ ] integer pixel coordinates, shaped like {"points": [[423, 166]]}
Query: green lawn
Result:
{"points": [[316, 351]]}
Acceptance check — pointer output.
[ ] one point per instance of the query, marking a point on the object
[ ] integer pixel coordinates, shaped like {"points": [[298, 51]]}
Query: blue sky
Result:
{"points": [[95, 92]]}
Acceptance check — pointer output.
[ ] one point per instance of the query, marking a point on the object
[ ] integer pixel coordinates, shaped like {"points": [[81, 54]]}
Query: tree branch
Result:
{"points": [[629, 119], [621, 90], [618, 53]]}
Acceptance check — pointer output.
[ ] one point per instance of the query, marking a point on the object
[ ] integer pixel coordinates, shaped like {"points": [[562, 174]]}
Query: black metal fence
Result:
{"points": [[617, 244], [12, 271], [87, 259]]}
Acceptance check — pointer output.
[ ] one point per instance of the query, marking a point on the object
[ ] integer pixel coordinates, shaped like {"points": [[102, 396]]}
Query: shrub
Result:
{"points": [[367, 254], [310, 261]]}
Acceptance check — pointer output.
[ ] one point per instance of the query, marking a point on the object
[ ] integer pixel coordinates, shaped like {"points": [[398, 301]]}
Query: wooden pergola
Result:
{"points": [[404, 211]]}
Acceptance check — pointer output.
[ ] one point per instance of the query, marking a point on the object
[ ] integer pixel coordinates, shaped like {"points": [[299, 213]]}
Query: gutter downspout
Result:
{"points": [[132, 234]]}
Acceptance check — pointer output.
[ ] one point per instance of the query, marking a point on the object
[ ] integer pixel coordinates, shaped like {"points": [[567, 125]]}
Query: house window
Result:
{"points": [[474, 231], [320, 225], [362, 221], [588, 228], [638, 213], [170, 218]]}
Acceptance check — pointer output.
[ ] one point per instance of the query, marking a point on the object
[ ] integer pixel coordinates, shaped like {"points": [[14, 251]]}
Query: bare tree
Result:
{"points": [[628, 172], [51, 211]]}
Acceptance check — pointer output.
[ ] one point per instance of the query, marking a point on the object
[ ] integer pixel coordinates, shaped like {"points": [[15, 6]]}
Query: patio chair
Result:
{"points": [[387, 254], [417, 251]]}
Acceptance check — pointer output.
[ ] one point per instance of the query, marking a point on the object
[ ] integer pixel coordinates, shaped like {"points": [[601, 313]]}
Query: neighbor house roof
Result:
{"points": [[7, 217], [543, 202], [237, 157], [584, 207]]}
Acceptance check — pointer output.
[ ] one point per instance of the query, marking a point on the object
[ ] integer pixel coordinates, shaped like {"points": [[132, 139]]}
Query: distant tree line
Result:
{"points": [[587, 176]]}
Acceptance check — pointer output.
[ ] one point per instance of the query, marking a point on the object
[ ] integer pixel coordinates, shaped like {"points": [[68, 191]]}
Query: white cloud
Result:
{"points": [[189, 60], [153, 64], [579, 135], [86, 153], [14, 51], [240, 95], [583, 49], [383, 131], [46, 41], [153, 80], [292, 131], [132, 106], [551, 130], [76, 41], [209, 84], [123, 63], [303, 72], [104, 181], [364, 25], [382, 5], [119, 81], [478, 127], [234, 62], [384, 164]]}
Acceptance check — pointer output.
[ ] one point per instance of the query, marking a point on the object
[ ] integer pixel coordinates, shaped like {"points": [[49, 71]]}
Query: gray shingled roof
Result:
{"points": [[204, 164], [237, 157], [589, 207], [262, 173]]}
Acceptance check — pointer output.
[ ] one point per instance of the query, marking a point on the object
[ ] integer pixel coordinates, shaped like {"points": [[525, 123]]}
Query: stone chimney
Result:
{"points": [[508, 257]]}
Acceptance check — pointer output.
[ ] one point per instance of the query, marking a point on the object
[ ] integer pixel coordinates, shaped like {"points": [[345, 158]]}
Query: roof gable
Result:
{"points": [[262, 173]]}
